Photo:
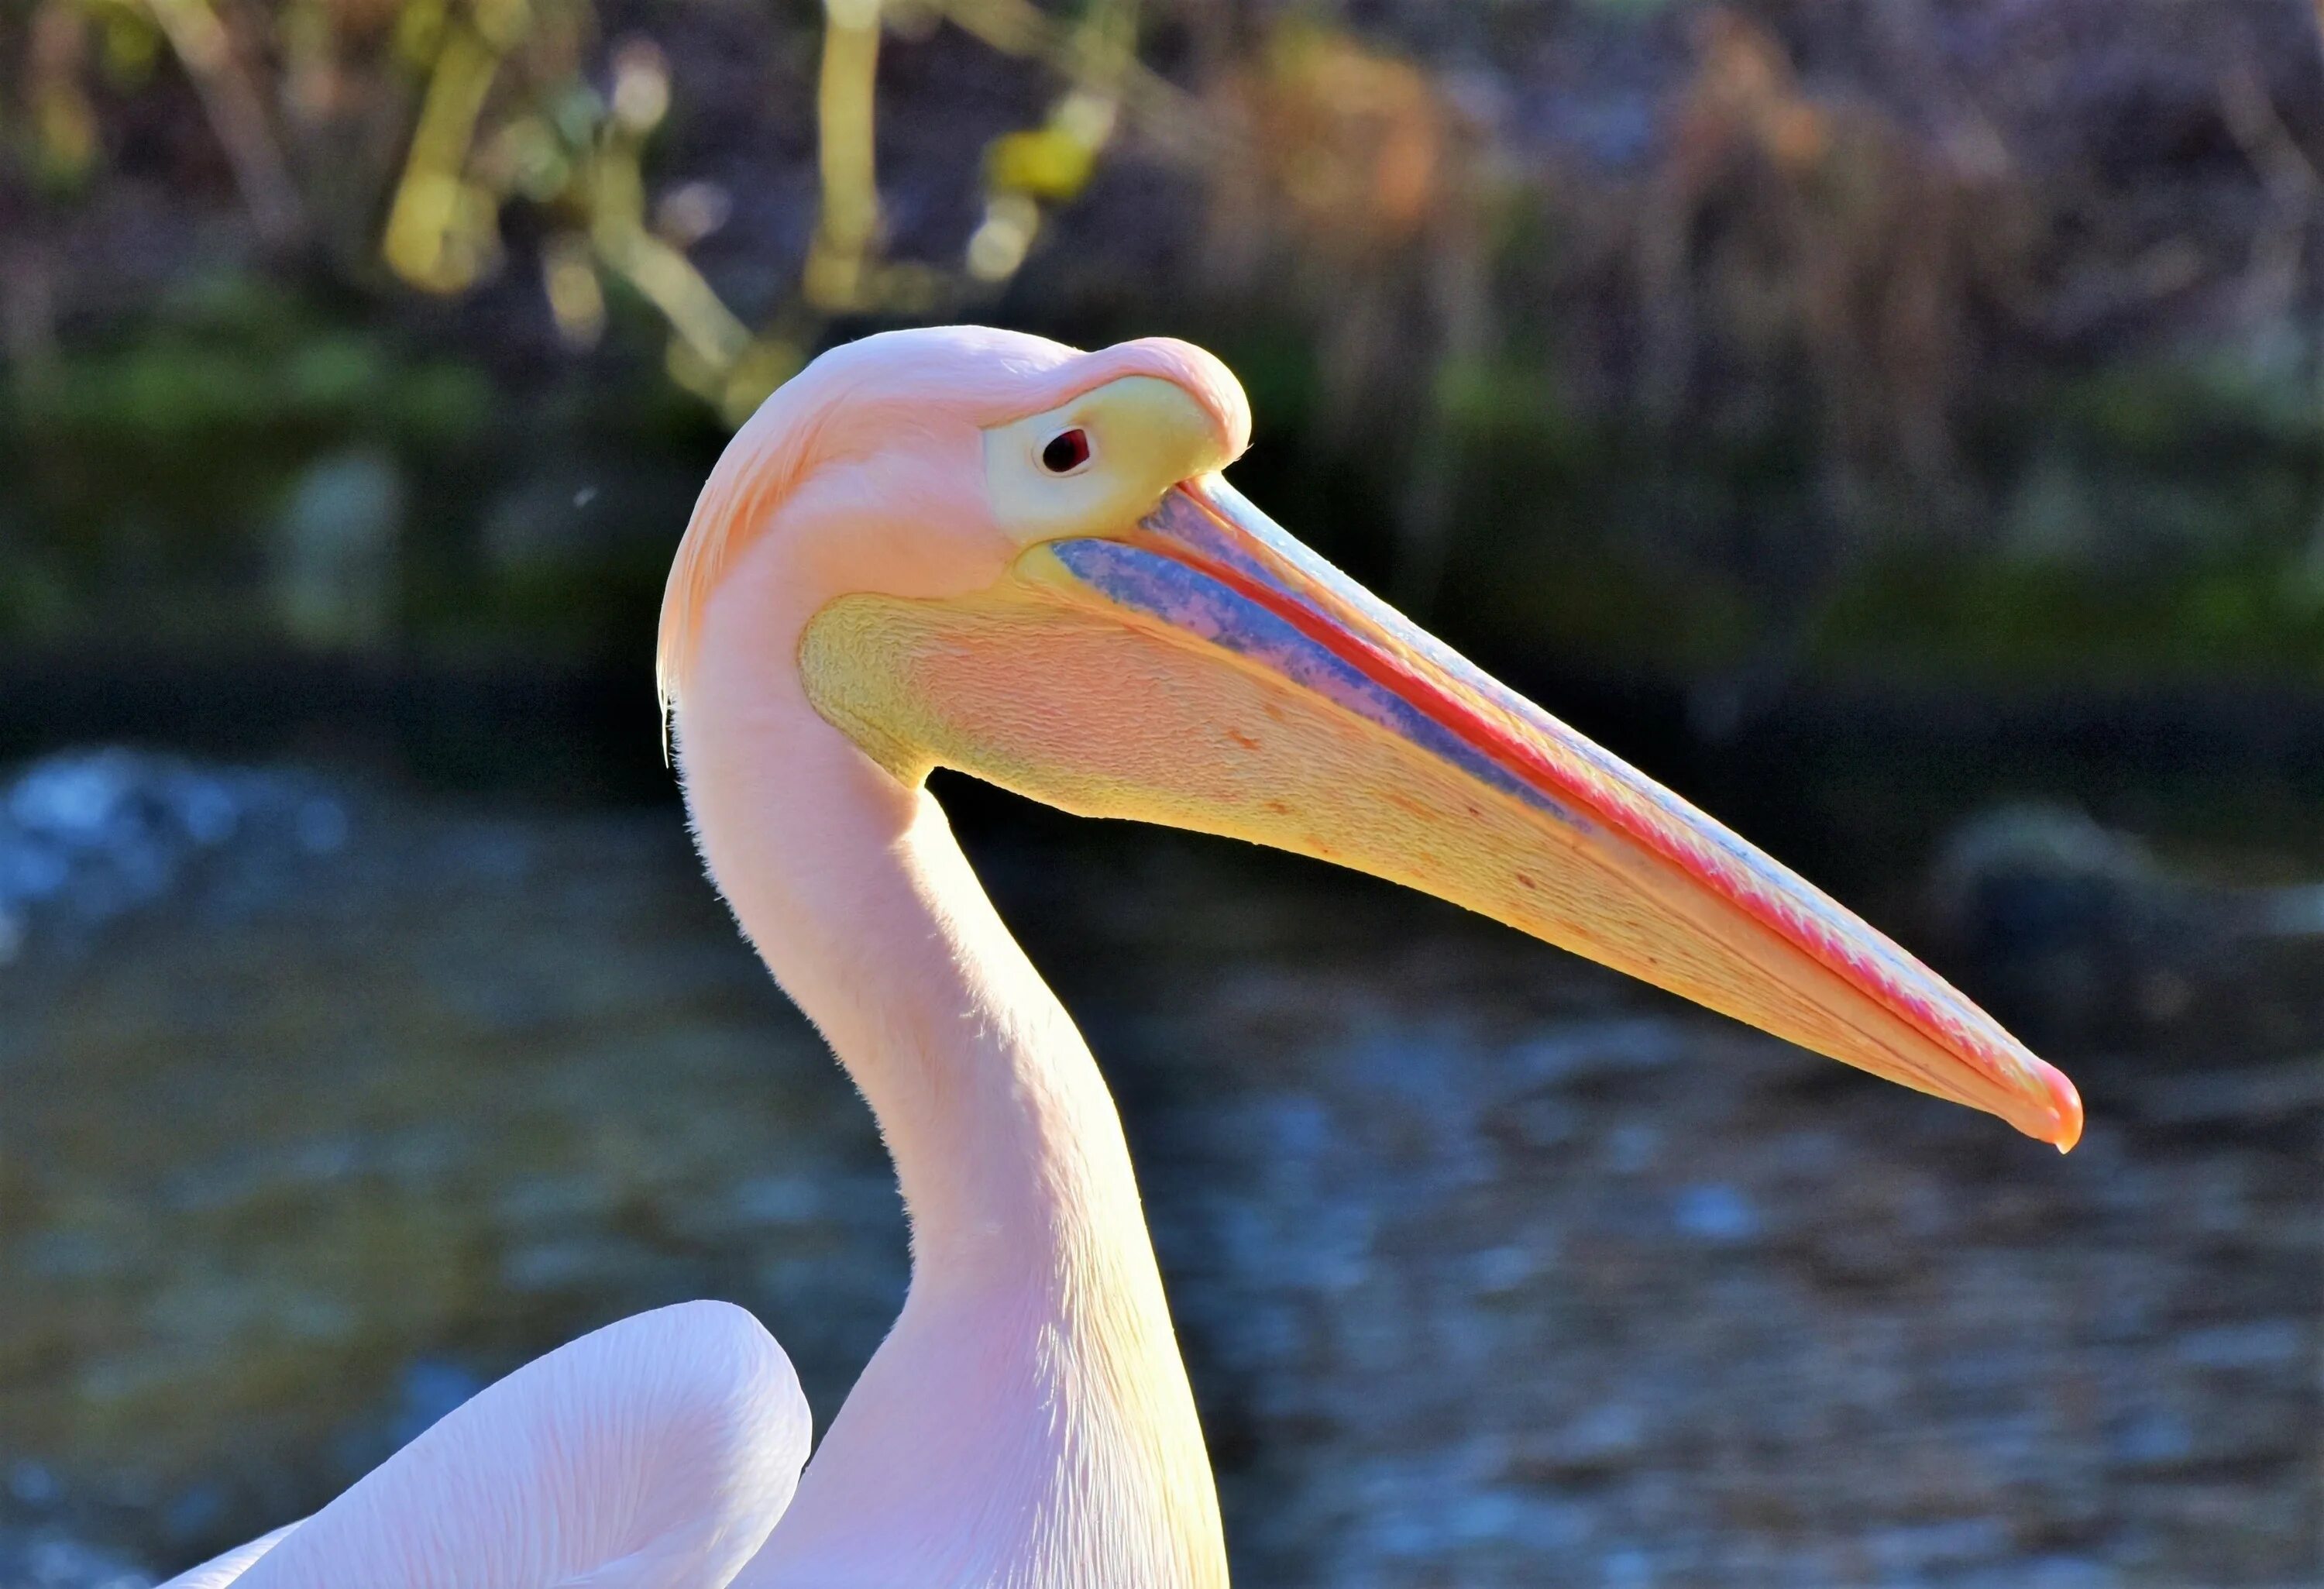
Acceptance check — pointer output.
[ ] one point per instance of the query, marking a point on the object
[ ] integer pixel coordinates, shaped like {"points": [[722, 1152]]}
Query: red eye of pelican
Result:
{"points": [[1067, 451]]}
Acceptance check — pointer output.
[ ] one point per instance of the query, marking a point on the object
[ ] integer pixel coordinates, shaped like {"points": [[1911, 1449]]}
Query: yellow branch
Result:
{"points": [[441, 229], [848, 227], [666, 279]]}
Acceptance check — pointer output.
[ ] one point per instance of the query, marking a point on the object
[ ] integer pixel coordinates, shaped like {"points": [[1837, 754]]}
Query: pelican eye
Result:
{"points": [[1067, 451]]}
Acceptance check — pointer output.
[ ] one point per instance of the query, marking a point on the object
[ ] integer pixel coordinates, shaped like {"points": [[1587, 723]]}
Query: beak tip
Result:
{"points": [[2065, 1109]]}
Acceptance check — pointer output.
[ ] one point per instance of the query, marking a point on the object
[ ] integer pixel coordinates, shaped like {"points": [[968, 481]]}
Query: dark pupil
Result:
{"points": [[1068, 450]]}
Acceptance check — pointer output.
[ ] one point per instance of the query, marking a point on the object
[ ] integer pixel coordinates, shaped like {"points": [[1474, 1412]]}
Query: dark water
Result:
{"points": [[1491, 1269]]}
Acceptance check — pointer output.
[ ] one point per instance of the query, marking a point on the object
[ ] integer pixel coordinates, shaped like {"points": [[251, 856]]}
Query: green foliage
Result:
{"points": [[148, 467], [177, 393], [2164, 518], [1925, 615]]}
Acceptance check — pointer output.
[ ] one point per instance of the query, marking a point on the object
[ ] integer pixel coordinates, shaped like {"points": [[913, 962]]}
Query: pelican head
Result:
{"points": [[1022, 562]]}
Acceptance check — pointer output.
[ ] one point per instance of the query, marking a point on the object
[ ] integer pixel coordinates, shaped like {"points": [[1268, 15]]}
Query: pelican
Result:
{"points": [[978, 549]]}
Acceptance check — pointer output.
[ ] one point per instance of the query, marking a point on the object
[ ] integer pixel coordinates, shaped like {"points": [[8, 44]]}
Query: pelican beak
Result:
{"points": [[1205, 670]]}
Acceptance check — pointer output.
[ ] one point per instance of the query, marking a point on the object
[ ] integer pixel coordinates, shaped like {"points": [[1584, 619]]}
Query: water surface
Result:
{"points": [[1492, 1269]]}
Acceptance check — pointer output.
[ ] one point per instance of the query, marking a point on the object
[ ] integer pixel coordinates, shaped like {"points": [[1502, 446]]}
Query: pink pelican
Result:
{"points": [[978, 549]]}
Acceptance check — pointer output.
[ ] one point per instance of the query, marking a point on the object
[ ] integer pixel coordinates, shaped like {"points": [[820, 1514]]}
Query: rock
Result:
{"points": [[2079, 933]]}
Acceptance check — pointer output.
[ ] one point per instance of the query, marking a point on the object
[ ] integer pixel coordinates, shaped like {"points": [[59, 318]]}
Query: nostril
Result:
{"points": [[1067, 451]]}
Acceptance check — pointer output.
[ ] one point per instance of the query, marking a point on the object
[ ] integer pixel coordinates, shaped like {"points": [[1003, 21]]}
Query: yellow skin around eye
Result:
{"points": [[1145, 436]]}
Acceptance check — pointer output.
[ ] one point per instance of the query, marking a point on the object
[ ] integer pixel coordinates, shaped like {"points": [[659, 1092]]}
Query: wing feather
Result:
{"points": [[657, 1453]]}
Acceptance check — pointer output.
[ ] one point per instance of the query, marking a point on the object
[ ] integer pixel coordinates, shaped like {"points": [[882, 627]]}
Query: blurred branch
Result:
{"points": [[236, 113], [666, 279], [848, 223], [711, 340], [1099, 50], [2292, 181], [440, 227], [712, 352], [1053, 163]]}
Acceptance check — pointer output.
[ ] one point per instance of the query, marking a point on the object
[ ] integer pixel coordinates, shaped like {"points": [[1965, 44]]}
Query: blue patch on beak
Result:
{"points": [[1192, 602]]}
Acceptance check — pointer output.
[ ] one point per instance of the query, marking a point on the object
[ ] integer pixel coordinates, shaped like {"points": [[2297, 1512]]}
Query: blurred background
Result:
{"points": [[1896, 424]]}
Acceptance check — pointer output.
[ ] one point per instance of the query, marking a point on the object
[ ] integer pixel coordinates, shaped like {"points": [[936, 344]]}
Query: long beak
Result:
{"points": [[1207, 671]]}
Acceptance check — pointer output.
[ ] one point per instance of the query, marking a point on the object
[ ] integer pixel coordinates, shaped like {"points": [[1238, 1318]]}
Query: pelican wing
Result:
{"points": [[657, 1453]]}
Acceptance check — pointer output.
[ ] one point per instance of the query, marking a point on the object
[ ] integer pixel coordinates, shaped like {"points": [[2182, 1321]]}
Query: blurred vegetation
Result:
{"points": [[1751, 339]]}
